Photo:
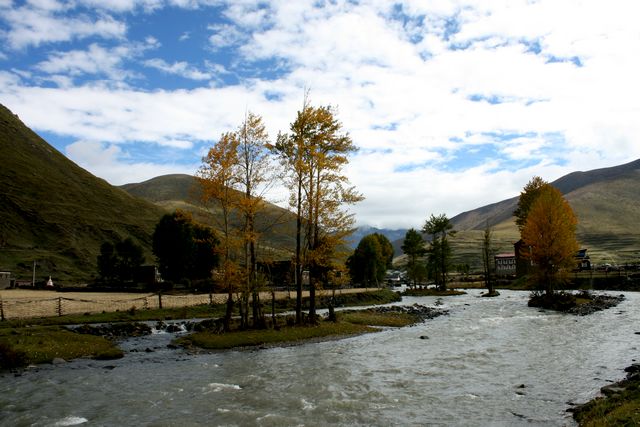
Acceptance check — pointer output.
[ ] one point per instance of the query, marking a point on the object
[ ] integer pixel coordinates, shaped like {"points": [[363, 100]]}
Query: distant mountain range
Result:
{"points": [[606, 202], [57, 214]]}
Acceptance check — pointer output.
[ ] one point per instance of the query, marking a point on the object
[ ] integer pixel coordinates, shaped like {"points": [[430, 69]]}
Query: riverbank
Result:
{"points": [[580, 304], [431, 292], [348, 323], [26, 342], [619, 405], [478, 357]]}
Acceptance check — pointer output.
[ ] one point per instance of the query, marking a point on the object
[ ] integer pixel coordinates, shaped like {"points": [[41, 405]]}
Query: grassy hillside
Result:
{"points": [[56, 213], [606, 202], [275, 225]]}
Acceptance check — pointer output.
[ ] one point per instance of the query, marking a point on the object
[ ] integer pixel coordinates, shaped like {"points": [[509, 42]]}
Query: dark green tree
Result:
{"points": [[439, 253], [413, 248], [129, 259], [370, 260], [107, 262], [206, 256], [183, 248], [119, 262]]}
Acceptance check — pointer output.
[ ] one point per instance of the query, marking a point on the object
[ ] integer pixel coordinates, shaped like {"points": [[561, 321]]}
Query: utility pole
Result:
{"points": [[33, 280]]}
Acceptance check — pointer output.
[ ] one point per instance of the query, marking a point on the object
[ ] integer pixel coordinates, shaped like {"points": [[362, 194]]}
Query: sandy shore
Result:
{"points": [[23, 303]]}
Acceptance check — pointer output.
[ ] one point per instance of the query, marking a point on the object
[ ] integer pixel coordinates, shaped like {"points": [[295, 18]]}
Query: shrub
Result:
{"points": [[11, 358]]}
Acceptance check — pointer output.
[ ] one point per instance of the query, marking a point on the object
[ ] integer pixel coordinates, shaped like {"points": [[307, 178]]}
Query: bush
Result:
{"points": [[11, 358], [558, 301]]}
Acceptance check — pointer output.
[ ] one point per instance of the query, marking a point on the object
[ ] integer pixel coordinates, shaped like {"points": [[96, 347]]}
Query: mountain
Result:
{"points": [[275, 225], [392, 235], [57, 214], [606, 202]]}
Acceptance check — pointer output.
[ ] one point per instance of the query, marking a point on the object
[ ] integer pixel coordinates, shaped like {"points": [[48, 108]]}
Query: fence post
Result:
{"points": [[60, 306], [1, 310], [160, 300]]}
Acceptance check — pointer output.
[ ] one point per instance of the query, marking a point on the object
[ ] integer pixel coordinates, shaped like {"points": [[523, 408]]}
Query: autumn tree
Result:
{"points": [[236, 174], [219, 175], [439, 252], [527, 196], [255, 179], [413, 247], [371, 259], [549, 235], [314, 154]]}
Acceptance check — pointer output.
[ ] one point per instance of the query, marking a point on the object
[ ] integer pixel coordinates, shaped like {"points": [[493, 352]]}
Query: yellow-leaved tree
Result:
{"points": [[549, 234], [236, 174], [218, 176], [314, 154]]}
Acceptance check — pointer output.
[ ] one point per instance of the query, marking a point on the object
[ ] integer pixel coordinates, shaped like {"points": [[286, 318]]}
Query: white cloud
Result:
{"points": [[110, 162], [95, 60], [179, 68], [32, 25], [64, 66], [225, 35], [417, 92]]}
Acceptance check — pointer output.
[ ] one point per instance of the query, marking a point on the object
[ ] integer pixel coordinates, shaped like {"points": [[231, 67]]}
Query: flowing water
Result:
{"points": [[491, 361]]}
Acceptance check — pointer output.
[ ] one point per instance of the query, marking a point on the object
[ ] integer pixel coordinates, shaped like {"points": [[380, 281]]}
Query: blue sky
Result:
{"points": [[454, 104]]}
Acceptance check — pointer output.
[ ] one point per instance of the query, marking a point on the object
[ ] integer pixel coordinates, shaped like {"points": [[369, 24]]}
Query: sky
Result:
{"points": [[453, 104]]}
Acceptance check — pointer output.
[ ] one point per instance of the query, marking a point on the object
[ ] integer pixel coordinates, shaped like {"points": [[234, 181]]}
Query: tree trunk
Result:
{"points": [[298, 266]]}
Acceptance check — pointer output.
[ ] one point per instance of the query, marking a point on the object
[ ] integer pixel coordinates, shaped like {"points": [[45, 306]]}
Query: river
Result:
{"points": [[491, 361]]}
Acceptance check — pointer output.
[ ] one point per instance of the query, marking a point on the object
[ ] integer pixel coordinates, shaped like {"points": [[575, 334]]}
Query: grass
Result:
{"points": [[199, 311], [349, 323], [431, 293], [42, 344], [621, 409], [40, 340], [382, 296], [373, 318], [286, 335]]}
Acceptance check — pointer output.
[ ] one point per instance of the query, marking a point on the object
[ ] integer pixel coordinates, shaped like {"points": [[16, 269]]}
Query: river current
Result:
{"points": [[491, 361]]}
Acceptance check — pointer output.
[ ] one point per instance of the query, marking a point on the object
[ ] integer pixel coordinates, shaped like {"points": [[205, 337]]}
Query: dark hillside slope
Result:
{"points": [[56, 213], [164, 188], [275, 225]]}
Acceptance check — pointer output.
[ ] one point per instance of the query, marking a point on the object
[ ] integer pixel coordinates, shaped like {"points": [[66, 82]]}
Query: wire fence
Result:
{"points": [[21, 308], [38, 304]]}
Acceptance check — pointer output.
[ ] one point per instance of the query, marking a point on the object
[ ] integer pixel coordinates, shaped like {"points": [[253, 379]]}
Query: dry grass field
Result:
{"points": [[23, 303]]}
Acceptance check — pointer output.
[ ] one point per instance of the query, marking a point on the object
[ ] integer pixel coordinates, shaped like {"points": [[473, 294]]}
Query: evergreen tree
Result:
{"points": [[183, 248], [370, 260], [440, 252], [413, 247]]}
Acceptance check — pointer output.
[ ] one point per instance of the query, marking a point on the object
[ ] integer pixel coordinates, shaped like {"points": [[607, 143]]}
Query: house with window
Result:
{"points": [[583, 262], [505, 264]]}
